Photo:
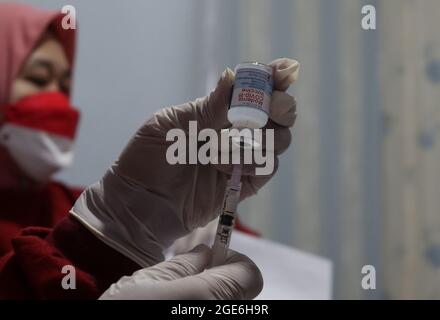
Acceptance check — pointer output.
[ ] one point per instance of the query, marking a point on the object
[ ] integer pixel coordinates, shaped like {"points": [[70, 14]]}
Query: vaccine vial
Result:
{"points": [[251, 95]]}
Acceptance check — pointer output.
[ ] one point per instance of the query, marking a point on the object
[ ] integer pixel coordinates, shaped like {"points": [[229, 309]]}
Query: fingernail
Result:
{"points": [[227, 74], [291, 72], [223, 76]]}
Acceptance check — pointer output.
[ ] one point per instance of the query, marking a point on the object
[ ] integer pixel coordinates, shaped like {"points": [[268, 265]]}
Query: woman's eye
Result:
{"points": [[38, 81]]}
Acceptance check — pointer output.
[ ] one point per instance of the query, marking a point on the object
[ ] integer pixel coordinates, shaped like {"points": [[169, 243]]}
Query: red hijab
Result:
{"points": [[21, 27]]}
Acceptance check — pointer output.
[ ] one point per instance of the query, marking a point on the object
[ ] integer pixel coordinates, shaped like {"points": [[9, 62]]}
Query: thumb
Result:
{"points": [[157, 282], [216, 110], [238, 279], [286, 72], [180, 266]]}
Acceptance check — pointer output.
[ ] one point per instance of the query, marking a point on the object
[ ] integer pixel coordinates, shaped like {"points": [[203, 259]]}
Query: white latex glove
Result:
{"points": [[184, 278], [143, 204], [203, 235]]}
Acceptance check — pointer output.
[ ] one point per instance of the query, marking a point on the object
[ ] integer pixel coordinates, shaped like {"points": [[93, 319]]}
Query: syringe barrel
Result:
{"points": [[226, 222]]}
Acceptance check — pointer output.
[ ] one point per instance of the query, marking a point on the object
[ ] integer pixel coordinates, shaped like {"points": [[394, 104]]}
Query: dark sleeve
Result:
{"points": [[33, 270]]}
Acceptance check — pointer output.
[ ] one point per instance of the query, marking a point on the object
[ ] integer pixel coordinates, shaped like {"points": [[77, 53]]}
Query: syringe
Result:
{"points": [[227, 216]]}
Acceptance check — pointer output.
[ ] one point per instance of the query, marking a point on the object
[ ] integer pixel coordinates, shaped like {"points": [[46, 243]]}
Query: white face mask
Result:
{"points": [[38, 153]]}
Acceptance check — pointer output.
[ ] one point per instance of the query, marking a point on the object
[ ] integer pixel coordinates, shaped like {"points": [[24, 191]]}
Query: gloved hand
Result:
{"points": [[142, 204], [184, 278], [202, 235]]}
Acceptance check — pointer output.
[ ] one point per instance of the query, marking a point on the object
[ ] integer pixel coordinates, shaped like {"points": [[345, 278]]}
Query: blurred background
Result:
{"points": [[360, 184]]}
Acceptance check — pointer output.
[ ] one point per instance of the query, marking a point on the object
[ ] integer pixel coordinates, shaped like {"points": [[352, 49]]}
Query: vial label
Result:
{"points": [[253, 88]]}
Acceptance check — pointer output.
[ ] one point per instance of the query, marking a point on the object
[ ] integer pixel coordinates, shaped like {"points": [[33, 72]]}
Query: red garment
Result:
{"points": [[243, 228], [33, 270], [39, 208]]}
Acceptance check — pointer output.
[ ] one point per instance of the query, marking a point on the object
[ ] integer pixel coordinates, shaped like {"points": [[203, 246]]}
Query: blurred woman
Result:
{"points": [[37, 123]]}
